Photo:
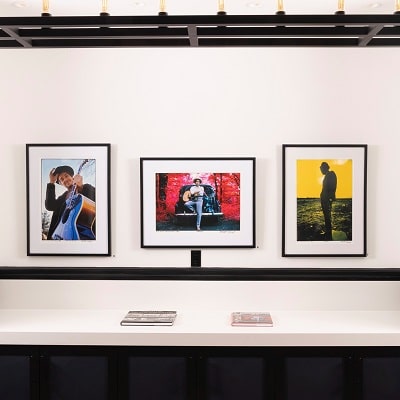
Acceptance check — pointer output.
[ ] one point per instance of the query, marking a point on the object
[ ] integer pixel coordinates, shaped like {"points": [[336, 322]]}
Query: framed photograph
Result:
{"points": [[68, 199], [324, 200], [197, 202]]}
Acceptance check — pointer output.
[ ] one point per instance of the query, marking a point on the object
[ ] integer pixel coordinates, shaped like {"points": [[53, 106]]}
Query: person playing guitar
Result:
{"points": [[74, 211], [195, 200]]}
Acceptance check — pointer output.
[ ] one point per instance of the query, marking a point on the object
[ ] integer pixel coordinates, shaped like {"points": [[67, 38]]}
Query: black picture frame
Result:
{"points": [[82, 226], [168, 221], [324, 200]]}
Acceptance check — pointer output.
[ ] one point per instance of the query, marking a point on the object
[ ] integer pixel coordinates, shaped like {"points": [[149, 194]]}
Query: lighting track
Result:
{"points": [[339, 30]]}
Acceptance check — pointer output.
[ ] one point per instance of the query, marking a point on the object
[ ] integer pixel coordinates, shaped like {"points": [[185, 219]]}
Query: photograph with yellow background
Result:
{"points": [[311, 221], [309, 178]]}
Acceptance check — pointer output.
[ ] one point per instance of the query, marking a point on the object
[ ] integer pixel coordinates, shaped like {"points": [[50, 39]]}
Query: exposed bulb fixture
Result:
{"points": [[226, 31], [46, 8], [281, 9], [340, 9], [104, 8], [397, 9], [221, 7], [162, 8]]}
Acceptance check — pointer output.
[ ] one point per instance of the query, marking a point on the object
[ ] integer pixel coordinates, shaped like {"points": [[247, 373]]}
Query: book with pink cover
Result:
{"points": [[251, 319]]}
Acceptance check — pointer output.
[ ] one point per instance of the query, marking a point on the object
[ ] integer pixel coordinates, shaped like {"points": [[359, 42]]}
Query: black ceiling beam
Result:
{"points": [[330, 31], [127, 33], [200, 30], [202, 20], [89, 43], [279, 42], [104, 33]]}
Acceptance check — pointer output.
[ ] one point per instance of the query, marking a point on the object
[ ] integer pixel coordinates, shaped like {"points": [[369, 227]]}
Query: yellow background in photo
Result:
{"points": [[310, 177]]}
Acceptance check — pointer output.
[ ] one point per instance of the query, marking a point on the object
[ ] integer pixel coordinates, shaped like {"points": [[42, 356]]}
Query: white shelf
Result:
{"points": [[297, 328]]}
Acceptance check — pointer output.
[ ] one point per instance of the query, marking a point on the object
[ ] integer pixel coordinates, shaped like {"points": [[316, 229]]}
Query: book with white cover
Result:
{"points": [[166, 318]]}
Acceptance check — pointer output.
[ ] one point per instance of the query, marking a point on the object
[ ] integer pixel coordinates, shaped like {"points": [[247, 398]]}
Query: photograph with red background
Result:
{"points": [[226, 186]]}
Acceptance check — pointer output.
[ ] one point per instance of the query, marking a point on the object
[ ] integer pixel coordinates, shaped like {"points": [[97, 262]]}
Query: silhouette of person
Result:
{"points": [[328, 196]]}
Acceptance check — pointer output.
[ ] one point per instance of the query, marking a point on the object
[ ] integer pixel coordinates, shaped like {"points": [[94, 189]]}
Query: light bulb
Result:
{"points": [[45, 6], [104, 7], [162, 6]]}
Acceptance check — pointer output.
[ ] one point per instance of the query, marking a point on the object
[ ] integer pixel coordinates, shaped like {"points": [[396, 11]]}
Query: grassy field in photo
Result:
{"points": [[310, 220]]}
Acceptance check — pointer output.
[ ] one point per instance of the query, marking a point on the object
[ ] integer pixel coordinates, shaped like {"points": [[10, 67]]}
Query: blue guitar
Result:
{"points": [[78, 217]]}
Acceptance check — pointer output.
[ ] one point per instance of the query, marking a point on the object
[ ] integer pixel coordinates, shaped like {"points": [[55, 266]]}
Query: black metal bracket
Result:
{"points": [[195, 258]]}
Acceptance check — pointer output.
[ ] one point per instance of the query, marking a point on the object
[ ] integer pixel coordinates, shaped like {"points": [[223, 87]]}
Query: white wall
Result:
{"points": [[200, 295], [239, 102]]}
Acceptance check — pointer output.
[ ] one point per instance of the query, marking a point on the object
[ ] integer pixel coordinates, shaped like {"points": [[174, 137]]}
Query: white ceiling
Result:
{"points": [[13, 8]]}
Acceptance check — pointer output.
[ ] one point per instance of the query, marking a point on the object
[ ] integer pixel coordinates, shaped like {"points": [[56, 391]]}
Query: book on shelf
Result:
{"points": [[165, 318], [255, 318]]}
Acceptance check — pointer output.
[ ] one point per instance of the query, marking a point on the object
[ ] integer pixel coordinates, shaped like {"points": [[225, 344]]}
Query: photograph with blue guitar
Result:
{"points": [[69, 211]]}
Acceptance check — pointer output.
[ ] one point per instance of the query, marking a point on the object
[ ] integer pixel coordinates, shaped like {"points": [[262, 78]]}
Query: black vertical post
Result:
{"points": [[195, 258]]}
